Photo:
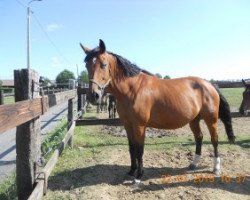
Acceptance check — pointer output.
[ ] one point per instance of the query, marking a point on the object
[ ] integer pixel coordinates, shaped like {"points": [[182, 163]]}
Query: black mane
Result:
{"points": [[129, 69]]}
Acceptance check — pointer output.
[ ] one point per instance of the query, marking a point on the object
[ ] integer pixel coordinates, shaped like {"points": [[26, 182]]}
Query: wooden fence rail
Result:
{"points": [[25, 116]]}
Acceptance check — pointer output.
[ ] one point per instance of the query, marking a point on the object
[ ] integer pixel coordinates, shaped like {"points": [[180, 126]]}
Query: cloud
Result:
{"points": [[53, 27]]}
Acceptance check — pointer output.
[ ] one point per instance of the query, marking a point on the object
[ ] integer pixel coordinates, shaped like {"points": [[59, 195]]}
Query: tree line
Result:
{"points": [[64, 76]]}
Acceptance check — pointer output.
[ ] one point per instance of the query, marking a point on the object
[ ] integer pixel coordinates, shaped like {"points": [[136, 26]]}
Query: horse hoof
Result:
{"points": [[136, 181], [192, 167], [217, 172]]}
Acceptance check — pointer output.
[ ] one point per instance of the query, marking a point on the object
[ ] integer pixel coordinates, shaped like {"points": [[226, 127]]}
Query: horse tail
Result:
{"points": [[225, 116]]}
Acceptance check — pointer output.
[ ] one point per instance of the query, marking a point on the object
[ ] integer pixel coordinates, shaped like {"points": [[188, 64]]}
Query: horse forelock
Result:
{"points": [[92, 54]]}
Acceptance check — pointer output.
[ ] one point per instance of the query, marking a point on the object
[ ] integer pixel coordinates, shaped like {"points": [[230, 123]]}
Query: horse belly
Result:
{"points": [[168, 123], [171, 118]]}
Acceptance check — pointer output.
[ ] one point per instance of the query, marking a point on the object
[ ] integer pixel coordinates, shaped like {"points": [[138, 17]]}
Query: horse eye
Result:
{"points": [[94, 60], [103, 65]]}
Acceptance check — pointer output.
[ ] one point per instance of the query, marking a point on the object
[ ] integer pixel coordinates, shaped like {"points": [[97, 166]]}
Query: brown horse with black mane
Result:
{"points": [[143, 100]]}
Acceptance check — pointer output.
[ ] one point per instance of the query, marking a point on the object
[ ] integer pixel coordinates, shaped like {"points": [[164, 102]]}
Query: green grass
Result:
{"points": [[233, 96], [9, 100], [53, 139], [8, 188]]}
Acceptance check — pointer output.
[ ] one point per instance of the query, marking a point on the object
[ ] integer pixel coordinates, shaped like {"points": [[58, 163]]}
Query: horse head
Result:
{"points": [[245, 104], [98, 65]]}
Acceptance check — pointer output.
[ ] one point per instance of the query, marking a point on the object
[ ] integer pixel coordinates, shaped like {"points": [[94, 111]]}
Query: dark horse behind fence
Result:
{"points": [[143, 100], [112, 106], [245, 104]]}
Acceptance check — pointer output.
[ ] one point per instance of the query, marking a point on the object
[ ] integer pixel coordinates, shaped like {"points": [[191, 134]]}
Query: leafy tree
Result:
{"points": [[84, 77], [158, 75], [167, 77], [44, 81], [1, 82], [64, 76]]}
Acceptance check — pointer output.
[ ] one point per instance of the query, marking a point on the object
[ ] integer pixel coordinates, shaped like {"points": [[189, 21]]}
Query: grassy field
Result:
{"points": [[234, 97], [9, 100]]}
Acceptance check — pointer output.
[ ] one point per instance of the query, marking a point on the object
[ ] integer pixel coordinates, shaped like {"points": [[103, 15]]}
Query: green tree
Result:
{"points": [[167, 77], [1, 82], [45, 81], [158, 75], [64, 76], [84, 77]]}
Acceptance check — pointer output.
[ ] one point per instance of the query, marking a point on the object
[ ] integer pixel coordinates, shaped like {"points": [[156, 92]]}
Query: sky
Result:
{"points": [[205, 38]]}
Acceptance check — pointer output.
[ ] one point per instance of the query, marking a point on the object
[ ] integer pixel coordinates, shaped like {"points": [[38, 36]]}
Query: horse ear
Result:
{"points": [[85, 49], [244, 82], [102, 46]]}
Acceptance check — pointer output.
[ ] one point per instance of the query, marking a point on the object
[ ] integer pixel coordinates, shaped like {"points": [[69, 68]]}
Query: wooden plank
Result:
{"points": [[70, 118], [41, 183], [58, 98], [8, 94], [109, 122], [82, 90], [37, 193], [13, 115], [28, 143]]}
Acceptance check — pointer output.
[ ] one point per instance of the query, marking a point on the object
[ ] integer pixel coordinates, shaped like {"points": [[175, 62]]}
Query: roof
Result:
{"points": [[8, 83]]}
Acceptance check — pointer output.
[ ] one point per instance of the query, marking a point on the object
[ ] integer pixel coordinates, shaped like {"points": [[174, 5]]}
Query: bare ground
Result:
{"points": [[166, 175]]}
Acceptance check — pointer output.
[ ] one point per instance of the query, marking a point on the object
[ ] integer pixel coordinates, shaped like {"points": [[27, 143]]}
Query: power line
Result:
{"points": [[45, 33], [21, 4], [52, 43]]}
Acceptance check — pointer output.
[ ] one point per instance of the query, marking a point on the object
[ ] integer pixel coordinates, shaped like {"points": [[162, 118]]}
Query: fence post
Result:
{"points": [[79, 102], [70, 118], [27, 135], [1, 97]]}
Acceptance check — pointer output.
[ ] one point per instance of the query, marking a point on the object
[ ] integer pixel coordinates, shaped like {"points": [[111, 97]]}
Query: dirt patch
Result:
{"points": [[166, 175]]}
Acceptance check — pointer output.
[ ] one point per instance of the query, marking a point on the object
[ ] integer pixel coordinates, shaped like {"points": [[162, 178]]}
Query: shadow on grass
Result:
{"points": [[115, 175]]}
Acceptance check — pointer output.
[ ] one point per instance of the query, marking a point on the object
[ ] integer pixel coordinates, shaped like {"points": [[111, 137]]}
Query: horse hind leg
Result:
{"points": [[212, 127], [195, 127]]}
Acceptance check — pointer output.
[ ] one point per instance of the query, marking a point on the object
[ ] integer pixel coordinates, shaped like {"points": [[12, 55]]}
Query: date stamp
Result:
{"points": [[203, 178]]}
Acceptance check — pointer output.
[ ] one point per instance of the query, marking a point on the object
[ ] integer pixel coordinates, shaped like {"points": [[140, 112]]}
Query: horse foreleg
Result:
{"points": [[132, 151], [139, 137], [139, 155]]}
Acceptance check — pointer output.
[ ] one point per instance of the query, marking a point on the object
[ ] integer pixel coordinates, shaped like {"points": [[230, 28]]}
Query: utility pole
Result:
{"points": [[29, 12]]}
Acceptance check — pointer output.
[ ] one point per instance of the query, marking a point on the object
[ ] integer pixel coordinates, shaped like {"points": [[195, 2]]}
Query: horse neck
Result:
{"points": [[119, 83]]}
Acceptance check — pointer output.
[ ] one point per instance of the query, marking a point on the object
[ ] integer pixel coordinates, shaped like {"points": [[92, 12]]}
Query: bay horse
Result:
{"points": [[245, 104], [143, 100]]}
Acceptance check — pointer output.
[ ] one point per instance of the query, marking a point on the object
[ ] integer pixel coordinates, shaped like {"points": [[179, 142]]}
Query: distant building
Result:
{"points": [[7, 83]]}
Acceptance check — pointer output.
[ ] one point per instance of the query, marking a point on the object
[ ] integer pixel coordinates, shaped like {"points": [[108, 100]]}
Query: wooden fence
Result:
{"points": [[25, 116]]}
